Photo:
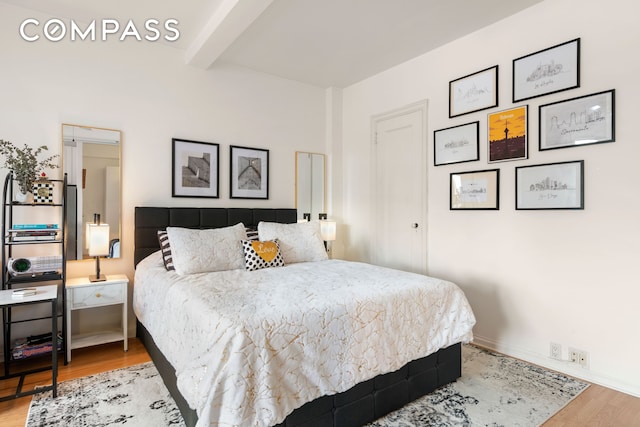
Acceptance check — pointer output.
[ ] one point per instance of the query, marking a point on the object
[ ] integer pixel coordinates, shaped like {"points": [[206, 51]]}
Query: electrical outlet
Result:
{"points": [[579, 357], [583, 359], [556, 351], [573, 355]]}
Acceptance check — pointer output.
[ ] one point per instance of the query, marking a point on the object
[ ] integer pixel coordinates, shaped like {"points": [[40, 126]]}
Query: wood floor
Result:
{"points": [[597, 406]]}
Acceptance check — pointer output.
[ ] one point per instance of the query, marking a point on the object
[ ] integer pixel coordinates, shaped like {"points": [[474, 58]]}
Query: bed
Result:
{"points": [[226, 365]]}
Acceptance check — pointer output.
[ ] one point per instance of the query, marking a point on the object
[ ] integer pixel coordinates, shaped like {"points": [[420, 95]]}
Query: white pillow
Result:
{"points": [[200, 251], [299, 242]]}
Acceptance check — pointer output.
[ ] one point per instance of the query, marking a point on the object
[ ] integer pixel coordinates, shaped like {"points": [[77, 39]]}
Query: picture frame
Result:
{"points": [[475, 190], [584, 120], [550, 186], [456, 144], [474, 92], [547, 71], [507, 135], [249, 169], [43, 192], [196, 167]]}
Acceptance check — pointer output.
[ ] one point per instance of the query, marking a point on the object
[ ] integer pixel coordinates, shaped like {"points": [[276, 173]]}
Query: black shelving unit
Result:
{"points": [[12, 213]]}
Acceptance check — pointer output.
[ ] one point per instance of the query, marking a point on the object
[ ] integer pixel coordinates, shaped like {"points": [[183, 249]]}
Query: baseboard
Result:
{"points": [[558, 365]]}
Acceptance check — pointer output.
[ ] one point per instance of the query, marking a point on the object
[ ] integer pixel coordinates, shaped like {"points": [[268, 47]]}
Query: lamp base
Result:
{"points": [[95, 278]]}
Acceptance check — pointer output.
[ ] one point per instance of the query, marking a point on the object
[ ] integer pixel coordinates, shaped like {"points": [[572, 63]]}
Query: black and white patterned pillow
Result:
{"points": [[252, 233], [165, 248], [258, 255]]}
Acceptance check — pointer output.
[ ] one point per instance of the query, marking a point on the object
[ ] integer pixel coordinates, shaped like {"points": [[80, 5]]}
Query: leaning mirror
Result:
{"points": [[91, 160], [310, 184]]}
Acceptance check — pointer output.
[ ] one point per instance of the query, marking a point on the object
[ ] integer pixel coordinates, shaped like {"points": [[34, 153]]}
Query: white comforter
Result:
{"points": [[250, 347]]}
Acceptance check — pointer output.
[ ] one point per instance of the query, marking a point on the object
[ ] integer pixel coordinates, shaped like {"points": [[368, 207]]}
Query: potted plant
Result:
{"points": [[24, 163]]}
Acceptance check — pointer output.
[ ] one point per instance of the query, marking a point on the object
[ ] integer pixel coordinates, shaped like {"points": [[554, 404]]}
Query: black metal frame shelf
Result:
{"points": [[10, 281]]}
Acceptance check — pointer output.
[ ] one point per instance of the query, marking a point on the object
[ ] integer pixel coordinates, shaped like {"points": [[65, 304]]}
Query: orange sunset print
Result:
{"points": [[508, 134]]}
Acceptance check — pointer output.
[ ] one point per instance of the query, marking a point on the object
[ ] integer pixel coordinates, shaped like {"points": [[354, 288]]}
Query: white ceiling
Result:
{"points": [[320, 42]]}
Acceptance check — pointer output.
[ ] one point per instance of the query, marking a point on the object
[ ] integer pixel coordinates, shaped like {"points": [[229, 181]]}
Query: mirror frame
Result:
{"points": [[80, 225], [314, 213]]}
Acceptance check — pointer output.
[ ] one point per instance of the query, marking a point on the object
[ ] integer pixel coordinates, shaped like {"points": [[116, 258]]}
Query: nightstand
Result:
{"points": [[83, 294]]}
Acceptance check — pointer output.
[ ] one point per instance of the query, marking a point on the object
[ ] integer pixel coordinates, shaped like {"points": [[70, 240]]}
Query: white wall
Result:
{"points": [[146, 90], [532, 277]]}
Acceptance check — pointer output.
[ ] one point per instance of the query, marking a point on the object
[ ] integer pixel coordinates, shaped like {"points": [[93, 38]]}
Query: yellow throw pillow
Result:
{"points": [[259, 254]]}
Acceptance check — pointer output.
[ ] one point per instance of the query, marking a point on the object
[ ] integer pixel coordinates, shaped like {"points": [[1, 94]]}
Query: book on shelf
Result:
{"points": [[32, 235], [24, 292], [32, 238], [27, 347], [21, 227], [42, 232]]}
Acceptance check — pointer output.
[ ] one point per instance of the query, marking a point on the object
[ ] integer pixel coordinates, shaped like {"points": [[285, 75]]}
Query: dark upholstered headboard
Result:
{"points": [[148, 220]]}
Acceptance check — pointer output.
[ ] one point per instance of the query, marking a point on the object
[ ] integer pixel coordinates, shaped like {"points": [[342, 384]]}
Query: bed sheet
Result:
{"points": [[250, 347]]}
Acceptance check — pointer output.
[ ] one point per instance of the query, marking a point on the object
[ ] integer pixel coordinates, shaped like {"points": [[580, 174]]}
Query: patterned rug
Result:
{"points": [[494, 390], [133, 396]]}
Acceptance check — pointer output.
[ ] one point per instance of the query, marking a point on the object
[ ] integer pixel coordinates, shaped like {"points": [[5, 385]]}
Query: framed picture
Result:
{"points": [[507, 135], [195, 168], [457, 144], [583, 120], [475, 92], [550, 186], [249, 173], [43, 192], [547, 71], [476, 190]]}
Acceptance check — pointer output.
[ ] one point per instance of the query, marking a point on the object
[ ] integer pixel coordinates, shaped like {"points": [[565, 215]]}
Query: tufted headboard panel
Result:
{"points": [[148, 220]]}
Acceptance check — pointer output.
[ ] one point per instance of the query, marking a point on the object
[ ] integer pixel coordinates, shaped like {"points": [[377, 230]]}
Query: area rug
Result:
{"points": [[133, 396], [494, 390]]}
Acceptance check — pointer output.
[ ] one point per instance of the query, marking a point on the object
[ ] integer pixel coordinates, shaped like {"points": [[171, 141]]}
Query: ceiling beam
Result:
{"points": [[230, 20]]}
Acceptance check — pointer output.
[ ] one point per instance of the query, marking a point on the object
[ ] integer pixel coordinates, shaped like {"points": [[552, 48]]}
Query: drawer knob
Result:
{"points": [[98, 295]]}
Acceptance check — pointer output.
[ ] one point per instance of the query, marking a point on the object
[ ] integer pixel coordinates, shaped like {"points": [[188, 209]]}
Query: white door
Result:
{"points": [[399, 232]]}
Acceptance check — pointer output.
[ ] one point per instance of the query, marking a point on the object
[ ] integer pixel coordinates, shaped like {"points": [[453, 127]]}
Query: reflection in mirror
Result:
{"points": [[91, 159], [310, 184]]}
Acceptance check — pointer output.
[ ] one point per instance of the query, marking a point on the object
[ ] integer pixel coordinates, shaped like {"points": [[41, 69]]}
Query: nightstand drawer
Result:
{"points": [[83, 294], [92, 296]]}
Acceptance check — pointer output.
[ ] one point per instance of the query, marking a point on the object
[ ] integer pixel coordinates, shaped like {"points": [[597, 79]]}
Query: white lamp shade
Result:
{"points": [[98, 238], [328, 230]]}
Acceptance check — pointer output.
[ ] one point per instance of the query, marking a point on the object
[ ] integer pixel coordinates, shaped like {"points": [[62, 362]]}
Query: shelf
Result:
{"points": [[13, 215], [90, 339], [32, 319], [14, 203], [33, 242], [23, 280]]}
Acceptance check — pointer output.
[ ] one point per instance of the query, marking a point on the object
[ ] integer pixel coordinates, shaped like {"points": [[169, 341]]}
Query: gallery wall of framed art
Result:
{"points": [[572, 121]]}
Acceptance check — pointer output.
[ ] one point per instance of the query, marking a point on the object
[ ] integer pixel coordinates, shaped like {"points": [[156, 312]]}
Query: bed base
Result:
{"points": [[361, 404]]}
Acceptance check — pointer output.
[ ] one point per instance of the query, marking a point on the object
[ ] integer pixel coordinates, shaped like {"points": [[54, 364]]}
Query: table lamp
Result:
{"points": [[98, 238], [328, 232]]}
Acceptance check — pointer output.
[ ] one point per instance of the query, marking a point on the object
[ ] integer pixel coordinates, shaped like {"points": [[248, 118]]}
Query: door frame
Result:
{"points": [[421, 107]]}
